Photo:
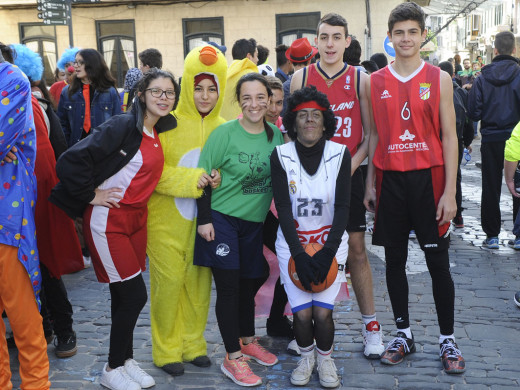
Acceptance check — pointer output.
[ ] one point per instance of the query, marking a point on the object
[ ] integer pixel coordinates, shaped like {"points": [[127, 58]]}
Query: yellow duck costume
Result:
{"points": [[180, 291], [237, 69]]}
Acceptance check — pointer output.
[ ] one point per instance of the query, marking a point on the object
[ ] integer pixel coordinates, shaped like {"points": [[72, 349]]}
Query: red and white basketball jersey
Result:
{"points": [[406, 114], [139, 177], [342, 90]]}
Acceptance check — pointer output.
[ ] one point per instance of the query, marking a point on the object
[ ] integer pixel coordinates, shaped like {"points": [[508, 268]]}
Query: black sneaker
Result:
{"points": [[397, 349], [65, 345], [282, 327], [458, 222], [451, 358]]}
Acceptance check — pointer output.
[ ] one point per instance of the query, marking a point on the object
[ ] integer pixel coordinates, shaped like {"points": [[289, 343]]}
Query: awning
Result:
{"points": [[455, 7]]}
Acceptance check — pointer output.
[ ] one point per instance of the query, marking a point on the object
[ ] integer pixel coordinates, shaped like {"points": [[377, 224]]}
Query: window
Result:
{"points": [[116, 41], [498, 14], [290, 27], [196, 32], [42, 40]]}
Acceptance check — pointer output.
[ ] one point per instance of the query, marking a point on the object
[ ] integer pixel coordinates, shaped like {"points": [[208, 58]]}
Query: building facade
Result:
{"points": [[121, 29]]}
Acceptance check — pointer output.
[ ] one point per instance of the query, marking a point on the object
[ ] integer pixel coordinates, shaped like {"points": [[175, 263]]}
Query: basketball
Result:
{"points": [[311, 249]]}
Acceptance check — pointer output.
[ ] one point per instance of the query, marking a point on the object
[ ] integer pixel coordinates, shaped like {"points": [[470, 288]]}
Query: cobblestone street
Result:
{"points": [[486, 323]]}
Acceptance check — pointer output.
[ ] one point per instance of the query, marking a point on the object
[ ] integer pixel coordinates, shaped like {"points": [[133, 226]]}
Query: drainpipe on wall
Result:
{"points": [[368, 32]]}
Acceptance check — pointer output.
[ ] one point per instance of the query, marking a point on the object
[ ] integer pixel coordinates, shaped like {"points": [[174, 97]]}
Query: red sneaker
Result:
{"points": [[255, 351], [397, 349], [239, 372]]}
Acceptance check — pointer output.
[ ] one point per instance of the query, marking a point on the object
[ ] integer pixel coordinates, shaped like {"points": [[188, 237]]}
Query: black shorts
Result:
{"points": [[357, 221], [406, 201]]}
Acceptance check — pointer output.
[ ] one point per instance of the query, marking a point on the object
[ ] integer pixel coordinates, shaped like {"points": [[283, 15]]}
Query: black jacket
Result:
{"points": [[87, 164], [494, 99]]}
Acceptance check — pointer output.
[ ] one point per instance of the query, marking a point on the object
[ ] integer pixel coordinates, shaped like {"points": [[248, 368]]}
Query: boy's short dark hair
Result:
{"points": [[352, 54], [281, 59], [333, 19], [380, 59], [151, 57], [505, 43], [263, 53], [447, 67], [242, 48], [370, 66], [404, 12]]}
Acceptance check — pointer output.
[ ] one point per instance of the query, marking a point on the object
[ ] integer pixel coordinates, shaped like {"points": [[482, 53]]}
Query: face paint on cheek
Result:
{"points": [[263, 105], [245, 105]]}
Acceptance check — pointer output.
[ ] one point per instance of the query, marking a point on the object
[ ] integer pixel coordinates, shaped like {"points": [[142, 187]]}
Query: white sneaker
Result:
{"points": [[293, 348], [328, 373], [117, 379], [301, 375], [138, 374], [87, 261], [373, 340]]}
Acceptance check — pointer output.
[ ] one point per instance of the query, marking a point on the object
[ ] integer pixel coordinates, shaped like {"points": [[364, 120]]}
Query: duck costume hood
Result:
{"points": [[202, 60], [179, 290]]}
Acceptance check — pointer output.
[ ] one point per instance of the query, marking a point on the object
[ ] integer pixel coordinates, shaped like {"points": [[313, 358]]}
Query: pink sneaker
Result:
{"points": [[239, 372], [255, 351]]}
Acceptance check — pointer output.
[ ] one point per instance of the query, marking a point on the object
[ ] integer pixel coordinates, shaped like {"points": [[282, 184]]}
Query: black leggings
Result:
{"points": [[442, 284], [235, 306], [128, 299]]}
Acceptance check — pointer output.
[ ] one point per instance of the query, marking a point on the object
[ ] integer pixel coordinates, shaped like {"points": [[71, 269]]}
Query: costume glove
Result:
{"points": [[302, 263], [321, 262]]}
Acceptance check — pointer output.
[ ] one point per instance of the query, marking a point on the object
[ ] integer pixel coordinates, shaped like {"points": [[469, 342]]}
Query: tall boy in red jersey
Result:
{"points": [[413, 162], [347, 90]]}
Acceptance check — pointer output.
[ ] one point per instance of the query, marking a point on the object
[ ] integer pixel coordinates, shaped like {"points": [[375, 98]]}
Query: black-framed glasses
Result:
{"points": [[78, 63], [157, 93]]}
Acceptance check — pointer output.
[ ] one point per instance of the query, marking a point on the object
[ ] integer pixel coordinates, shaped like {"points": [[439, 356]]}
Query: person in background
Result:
{"points": [[352, 54], [65, 63], [464, 128], [480, 61], [245, 60], [133, 75], [230, 221], [466, 75], [285, 67], [263, 54], [300, 54], [380, 59], [180, 291], [87, 102], [111, 190], [494, 100], [150, 58], [58, 245], [20, 278], [458, 66], [59, 74]]}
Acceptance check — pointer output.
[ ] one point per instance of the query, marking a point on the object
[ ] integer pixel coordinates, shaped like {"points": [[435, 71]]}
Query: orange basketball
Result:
{"points": [[311, 249]]}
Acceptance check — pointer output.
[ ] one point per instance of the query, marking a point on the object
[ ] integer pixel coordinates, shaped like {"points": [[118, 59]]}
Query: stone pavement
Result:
{"points": [[486, 321]]}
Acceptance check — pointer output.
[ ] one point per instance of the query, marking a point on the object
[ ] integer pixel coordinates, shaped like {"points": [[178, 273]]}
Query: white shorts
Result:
{"points": [[299, 299]]}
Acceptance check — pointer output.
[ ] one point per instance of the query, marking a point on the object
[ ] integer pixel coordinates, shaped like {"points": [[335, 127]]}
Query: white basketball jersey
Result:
{"points": [[312, 199]]}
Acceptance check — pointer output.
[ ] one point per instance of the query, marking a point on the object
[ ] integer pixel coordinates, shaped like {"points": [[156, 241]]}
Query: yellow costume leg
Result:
{"points": [[195, 305], [167, 269]]}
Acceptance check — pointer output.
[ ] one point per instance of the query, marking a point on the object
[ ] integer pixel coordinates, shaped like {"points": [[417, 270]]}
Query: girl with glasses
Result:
{"points": [[108, 178]]}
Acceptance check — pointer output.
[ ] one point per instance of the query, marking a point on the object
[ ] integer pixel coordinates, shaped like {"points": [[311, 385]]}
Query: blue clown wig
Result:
{"points": [[69, 55], [28, 61]]}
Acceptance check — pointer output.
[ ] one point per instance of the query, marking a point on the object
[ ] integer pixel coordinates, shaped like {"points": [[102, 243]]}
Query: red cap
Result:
{"points": [[300, 51]]}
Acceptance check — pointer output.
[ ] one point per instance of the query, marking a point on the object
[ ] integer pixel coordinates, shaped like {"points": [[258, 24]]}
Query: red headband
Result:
{"points": [[310, 104]]}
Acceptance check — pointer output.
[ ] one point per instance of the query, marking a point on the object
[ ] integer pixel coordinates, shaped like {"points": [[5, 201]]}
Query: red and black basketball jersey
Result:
{"points": [[406, 114], [342, 90]]}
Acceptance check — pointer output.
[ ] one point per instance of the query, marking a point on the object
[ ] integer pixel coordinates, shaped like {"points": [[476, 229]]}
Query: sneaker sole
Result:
{"points": [[330, 385], [517, 303], [391, 363], [66, 354], [296, 382], [455, 371], [373, 356], [230, 376], [260, 361]]}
